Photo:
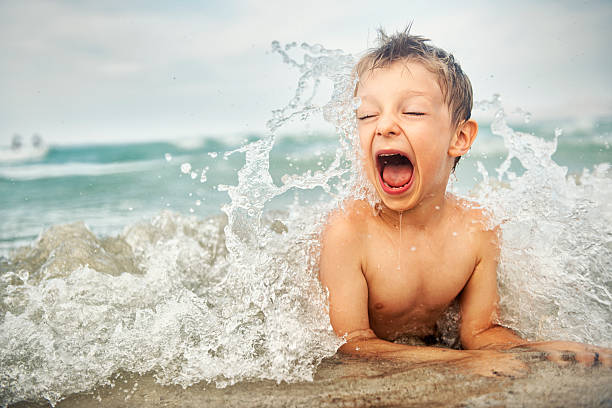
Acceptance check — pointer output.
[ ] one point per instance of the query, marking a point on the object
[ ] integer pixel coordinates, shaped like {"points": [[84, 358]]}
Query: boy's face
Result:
{"points": [[405, 133]]}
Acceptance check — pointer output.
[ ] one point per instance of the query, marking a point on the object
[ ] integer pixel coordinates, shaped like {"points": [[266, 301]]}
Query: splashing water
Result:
{"points": [[235, 297], [556, 259], [221, 300]]}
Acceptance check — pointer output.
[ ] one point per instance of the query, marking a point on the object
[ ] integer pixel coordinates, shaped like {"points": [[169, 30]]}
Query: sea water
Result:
{"points": [[197, 261]]}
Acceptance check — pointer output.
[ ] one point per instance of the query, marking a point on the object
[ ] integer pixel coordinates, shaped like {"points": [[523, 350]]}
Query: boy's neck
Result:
{"points": [[427, 213]]}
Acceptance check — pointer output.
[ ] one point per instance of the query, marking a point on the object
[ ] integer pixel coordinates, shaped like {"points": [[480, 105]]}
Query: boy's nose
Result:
{"points": [[387, 126]]}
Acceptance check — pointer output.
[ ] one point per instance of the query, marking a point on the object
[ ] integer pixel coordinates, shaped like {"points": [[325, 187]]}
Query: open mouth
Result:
{"points": [[395, 171]]}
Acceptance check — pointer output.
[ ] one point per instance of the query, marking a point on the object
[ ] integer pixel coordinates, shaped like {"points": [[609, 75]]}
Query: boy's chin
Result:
{"points": [[398, 204]]}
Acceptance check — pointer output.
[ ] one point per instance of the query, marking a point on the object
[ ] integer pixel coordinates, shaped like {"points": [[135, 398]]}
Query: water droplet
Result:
{"points": [[455, 233], [437, 207], [168, 157], [198, 202], [413, 248], [194, 175], [185, 168], [251, 212], [191, 210], [130, 209], [213, 154], [203, 177]]}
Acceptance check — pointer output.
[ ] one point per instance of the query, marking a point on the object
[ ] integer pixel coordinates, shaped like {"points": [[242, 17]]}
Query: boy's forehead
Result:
{"points": [[411, 78]]}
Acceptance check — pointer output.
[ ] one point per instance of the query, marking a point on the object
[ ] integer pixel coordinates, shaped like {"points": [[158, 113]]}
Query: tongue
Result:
{"points": [[396, 175]]}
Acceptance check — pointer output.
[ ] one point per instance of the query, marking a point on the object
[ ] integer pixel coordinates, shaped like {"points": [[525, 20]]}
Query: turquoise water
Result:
{"points": [[112, 186]]}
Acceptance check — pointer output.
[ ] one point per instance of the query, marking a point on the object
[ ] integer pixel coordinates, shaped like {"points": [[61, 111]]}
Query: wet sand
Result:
{"points": [[347, 382]]}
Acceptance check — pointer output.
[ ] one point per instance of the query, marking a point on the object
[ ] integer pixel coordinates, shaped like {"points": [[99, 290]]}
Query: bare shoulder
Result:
{"points": [[472, 213], [347, 223], [478, 221], [342, 240]]}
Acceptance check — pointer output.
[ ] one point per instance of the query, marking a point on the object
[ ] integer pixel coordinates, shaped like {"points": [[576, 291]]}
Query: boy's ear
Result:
{"points": [[463, 138]]}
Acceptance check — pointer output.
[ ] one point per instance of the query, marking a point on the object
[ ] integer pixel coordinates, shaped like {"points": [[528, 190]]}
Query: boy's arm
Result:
{"points": [[479, 300], [479, 307], [341, 274]]}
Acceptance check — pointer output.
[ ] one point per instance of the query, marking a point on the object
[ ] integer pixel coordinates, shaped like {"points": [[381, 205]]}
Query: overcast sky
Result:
{"points": [[99, 71]]}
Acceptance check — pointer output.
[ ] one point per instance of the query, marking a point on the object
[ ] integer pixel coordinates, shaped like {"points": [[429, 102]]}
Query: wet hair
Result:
{"points": [[402, 46]]}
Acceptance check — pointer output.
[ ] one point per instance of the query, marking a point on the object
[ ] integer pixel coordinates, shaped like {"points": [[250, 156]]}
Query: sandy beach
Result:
{"points": [[346, 382]]}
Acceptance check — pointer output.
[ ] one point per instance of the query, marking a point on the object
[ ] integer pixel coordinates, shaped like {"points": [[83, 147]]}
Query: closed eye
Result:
{"points": [[364, 117], [414, 113]]}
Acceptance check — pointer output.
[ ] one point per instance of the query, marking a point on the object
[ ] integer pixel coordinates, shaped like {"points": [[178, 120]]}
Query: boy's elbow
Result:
{"points": [[468, 342], [473, 338], [350, 349], [356, 341]]}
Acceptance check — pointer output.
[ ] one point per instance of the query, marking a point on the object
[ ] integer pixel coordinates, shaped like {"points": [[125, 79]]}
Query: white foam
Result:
{"points": [[23, 154], [205, 304], [43, 171], [556, 256]]}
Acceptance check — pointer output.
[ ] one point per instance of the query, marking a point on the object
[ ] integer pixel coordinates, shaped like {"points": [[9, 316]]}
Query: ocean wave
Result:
{"points": [[23, 154], [164, 297], [47, 171]]}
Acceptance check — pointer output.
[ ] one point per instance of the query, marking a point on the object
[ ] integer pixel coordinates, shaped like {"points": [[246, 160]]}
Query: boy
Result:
{"points": [[393, 272]]}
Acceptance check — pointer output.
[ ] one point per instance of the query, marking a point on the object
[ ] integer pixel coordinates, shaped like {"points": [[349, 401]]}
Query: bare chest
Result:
{"points": [[411, 284]]}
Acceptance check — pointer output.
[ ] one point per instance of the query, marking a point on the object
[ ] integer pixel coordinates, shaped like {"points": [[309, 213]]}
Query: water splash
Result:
{"points": [[220, 300], [556, 256]]}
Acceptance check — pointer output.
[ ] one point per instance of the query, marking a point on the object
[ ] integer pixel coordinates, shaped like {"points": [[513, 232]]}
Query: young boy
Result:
{"points": [[393, 272]]}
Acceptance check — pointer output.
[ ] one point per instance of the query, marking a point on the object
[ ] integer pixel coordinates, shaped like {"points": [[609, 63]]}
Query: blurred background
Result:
{"points": [[91, 71]]}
